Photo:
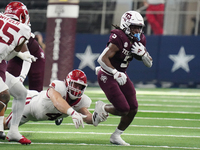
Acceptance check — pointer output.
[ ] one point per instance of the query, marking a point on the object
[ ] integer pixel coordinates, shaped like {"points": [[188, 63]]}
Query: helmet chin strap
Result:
{"points": [[128, 32], [130, 35]]}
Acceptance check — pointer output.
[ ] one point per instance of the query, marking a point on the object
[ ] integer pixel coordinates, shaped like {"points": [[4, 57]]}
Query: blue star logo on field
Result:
{"points": [[87, 58], [181, 60]]}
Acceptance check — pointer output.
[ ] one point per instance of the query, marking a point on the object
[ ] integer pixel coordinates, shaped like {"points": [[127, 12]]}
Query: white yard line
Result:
{"points": [[165, 93], [188, 99], [171, 112], [104, 125], [98, 133], [110, 145], [152, 111], [171, 101], [165, 105], [175, 119]]}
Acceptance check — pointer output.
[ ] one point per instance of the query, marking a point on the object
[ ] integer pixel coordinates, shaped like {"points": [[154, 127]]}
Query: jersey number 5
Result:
{"points": [[7, 37], [125, 62]]}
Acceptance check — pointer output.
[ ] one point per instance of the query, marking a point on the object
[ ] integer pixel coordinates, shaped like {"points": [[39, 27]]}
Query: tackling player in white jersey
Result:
{"points": [[13, 35], [62, 99]]}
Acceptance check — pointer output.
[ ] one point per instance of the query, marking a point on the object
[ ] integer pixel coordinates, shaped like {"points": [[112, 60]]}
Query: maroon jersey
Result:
{"points": [[36, 72], [121, 59], [122, 97]]}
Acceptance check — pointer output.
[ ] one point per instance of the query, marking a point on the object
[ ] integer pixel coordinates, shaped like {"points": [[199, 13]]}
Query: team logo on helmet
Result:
{"points": [[127, 17], [18, 11]]}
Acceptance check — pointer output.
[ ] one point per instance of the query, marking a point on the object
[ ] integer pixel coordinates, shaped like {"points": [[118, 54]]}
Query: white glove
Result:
{"points": [[97, 69], [120, 77], [76, 117], [138, 49], [27, 57]]}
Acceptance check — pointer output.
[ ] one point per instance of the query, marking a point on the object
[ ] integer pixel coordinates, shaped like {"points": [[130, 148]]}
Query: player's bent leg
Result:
{"points": [[126, 120], [24, 119], [124, 123], [19, 92]]}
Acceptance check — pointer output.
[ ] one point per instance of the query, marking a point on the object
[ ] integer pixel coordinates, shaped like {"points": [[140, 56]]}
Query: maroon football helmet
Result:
{"points": [[18, 11], [76, 81]]}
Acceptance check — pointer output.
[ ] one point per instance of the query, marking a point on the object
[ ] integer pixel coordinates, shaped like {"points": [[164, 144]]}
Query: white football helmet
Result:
{"points": [[131, 18]]}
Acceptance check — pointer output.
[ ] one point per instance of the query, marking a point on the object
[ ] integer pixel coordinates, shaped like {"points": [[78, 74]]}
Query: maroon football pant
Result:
{"points": [[123, 97], [35, 75]]}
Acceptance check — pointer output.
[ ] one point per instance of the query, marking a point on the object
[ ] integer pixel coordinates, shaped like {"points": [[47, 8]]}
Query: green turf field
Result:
{"points": [[167, 119]]}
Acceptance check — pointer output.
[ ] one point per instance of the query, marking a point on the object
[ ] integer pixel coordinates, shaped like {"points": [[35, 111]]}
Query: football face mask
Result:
{"points": [[76, 83]]}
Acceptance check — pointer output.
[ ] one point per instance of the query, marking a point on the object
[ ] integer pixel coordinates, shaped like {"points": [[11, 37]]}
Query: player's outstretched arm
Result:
{"points": [[87, 113], [65, 108]]}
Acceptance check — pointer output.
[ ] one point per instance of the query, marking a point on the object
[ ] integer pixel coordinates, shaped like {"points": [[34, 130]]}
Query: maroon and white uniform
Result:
{"points": [[122, 97], [39, 106], [36, 72], [12, 34]]}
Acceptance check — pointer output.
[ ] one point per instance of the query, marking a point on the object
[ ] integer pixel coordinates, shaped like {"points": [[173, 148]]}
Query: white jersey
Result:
{"points": [[39, 106], [11, 33]]}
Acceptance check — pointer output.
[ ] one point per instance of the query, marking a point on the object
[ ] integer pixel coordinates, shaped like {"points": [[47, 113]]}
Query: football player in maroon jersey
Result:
{"points": [[18, 68], [36, 72], [125, 43]]}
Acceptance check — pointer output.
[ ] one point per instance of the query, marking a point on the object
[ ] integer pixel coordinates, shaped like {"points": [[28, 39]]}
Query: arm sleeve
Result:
{"points": [[25, 67], [103, 65]]}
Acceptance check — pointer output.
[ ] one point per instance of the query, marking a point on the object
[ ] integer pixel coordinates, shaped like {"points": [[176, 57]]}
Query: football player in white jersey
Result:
{"points": [[60, 100], [13, 36]]}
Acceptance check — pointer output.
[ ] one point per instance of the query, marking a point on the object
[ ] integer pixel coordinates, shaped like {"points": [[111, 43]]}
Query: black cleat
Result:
{"points": [[58, 121], [2, 135]]}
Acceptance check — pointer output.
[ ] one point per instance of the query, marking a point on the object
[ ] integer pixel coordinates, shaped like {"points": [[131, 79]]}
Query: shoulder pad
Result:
{"points": [[25, 31]]}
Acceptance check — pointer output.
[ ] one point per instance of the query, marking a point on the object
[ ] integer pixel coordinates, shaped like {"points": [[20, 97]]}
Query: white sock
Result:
{"points": [[19, 92], [13, 133], [118, 132], [1, 123], [17, 111], [13, 129], [116, 138]]}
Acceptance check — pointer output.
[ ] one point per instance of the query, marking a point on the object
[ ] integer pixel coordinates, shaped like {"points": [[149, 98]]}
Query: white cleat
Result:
{"points": [[117, 140], [99, 114]]}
